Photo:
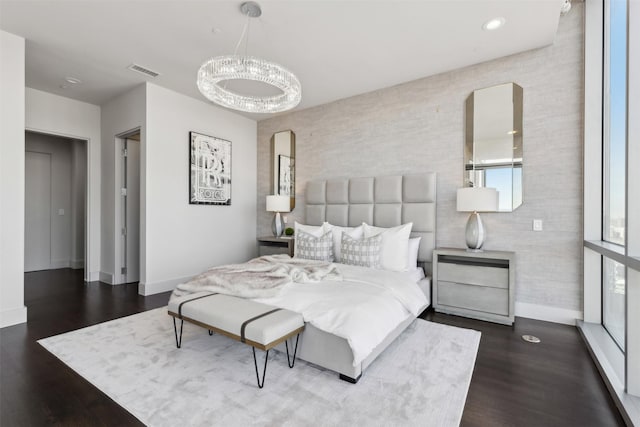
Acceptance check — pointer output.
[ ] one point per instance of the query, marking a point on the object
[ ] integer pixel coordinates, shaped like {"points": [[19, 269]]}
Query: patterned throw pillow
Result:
{"points": [[362, 252], [309, 246]]}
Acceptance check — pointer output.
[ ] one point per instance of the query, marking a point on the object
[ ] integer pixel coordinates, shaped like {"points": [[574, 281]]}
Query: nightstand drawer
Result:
{"points": [[474, 274], [480, 298]]}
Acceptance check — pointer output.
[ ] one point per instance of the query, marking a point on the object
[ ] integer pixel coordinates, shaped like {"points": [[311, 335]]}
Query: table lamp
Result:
{"points": [[278, 204], [476, 199]]}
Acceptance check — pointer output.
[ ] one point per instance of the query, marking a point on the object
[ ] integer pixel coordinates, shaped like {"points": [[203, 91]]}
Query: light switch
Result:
{"points": [[537, 225], [60, 211]]}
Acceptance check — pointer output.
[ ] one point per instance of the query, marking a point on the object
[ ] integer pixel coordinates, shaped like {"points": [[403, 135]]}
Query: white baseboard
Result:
{"points": [[77, 264], [93, 276], [13, 316], [158, 287], [61, 263], [547, 313], [106, 277]]}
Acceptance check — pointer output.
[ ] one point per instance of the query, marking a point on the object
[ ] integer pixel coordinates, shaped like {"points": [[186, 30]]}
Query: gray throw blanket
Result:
{"points": [[261, 277]]}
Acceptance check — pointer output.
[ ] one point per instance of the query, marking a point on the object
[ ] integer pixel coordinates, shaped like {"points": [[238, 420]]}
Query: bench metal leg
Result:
{"points": [[286, 344], [175, 330], [210, 332], [266, 358]]}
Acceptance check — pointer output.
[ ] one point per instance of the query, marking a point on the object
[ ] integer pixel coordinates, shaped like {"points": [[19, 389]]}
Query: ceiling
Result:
{"points": [[336, 48]]}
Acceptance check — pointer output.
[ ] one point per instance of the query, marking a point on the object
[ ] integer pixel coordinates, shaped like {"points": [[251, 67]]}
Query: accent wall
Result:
{"points": [[419, 126]]}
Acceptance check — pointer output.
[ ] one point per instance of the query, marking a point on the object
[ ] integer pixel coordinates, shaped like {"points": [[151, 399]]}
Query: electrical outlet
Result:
{"points": [[60, 211], [537, 225], [285, 219]]}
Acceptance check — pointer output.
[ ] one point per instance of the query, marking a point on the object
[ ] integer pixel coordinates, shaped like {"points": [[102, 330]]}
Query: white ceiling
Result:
{"points": [[336, 48]]}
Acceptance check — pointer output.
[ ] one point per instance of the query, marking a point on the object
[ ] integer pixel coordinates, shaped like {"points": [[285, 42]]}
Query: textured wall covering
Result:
{"points": [[419, 126]]}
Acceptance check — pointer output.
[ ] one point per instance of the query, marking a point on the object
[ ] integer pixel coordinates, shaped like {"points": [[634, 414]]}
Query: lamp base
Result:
{"points": [[475, 233], [474, 250], [277, 225]]}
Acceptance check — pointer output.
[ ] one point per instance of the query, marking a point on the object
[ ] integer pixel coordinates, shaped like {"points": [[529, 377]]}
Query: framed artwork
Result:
{"points": [[285, 175], [210, 170]]}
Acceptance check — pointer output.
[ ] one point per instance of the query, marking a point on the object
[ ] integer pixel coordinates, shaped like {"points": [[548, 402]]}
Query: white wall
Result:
{"points": [[12, 118], [121, 114], [182, 239], [60, 187], [57, 115]]}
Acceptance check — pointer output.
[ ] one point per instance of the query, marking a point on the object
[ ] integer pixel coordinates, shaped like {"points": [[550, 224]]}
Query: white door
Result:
{"points": [[132, 220], [37, 226]]}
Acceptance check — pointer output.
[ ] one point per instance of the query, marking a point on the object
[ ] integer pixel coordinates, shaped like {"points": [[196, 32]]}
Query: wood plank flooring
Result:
{"points": [[554, 383]]}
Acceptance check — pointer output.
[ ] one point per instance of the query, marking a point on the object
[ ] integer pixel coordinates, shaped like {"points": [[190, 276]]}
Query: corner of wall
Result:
{"points": [[12, 178], [13, 316]]}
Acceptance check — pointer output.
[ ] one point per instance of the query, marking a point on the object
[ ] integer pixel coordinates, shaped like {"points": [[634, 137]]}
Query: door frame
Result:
{"points": [[89, 215]]}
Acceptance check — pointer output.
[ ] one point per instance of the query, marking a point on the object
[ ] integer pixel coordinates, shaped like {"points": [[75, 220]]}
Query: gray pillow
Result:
{"points": [[363, 252], [309, 246]]}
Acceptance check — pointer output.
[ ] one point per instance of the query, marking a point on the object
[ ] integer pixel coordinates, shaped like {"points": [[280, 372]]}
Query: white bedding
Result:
{"points": [[363, 308]]}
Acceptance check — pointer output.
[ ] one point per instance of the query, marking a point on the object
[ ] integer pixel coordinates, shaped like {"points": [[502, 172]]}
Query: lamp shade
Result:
{"points": [[278, 204], [477, 199]]}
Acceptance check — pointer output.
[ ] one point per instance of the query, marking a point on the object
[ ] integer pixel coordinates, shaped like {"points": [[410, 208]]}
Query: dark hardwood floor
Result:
{"points": [[554, 383]]}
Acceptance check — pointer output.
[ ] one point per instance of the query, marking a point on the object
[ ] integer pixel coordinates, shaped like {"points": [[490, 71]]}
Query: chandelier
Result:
{"points": [[215, 72]]}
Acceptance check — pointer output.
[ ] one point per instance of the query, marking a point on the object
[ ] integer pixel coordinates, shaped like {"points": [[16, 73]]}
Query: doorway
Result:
{"points": [[55, 202], [129, 206]]}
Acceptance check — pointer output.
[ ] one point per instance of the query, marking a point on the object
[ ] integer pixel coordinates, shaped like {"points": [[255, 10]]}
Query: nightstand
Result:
{"points": [[270, 245], [480, 285]]}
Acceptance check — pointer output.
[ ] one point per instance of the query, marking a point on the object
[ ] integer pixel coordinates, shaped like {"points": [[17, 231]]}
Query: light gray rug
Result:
{"points": [[421, 379]]}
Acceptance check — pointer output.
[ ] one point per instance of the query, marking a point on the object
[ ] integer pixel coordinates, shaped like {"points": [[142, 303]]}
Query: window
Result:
{"points": [[615, 121], [611, 324], [614, 145], [613, 302]]}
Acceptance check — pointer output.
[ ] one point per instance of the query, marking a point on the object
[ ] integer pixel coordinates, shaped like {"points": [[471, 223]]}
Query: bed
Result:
{"points": [[352, 313], [386, 201]]}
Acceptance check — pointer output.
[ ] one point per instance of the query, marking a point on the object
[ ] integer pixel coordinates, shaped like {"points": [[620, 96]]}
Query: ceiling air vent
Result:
{"points": [[140, 69]]}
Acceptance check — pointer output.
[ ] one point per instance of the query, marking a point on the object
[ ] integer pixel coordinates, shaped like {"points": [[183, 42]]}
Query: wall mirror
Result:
{"points": [[493, 143], [283, 165]]}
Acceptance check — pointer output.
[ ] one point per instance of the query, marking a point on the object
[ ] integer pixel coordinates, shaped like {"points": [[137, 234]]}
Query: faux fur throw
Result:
{"points": [[261, 277]]}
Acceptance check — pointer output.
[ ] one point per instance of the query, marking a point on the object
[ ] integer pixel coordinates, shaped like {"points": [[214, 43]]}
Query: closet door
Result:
{"points": [[37, 227]]}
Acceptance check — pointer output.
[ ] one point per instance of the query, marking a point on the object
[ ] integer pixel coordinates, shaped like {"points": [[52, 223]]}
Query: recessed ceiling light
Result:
{"points": [[494, 24], [72, 80]]}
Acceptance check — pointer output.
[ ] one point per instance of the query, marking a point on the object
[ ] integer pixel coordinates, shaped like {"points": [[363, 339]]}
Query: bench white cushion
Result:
{"points": [[228, 313]]}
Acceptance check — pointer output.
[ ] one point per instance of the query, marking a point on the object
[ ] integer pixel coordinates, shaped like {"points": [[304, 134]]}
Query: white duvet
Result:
{"points": [[363, 308]]}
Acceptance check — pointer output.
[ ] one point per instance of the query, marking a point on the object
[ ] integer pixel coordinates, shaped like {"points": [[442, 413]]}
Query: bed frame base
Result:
{"points": [[349, 379]]}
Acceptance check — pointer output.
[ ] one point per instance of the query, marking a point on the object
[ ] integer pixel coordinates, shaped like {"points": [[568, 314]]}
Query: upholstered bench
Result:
{"points": [[259, 325]]}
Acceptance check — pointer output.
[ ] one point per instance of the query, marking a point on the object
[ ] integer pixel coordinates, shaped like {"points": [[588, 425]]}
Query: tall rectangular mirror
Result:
{"points": [[493, 143], [283, 165]]}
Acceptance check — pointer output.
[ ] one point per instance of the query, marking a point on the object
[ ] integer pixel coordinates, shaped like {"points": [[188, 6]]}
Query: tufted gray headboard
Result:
{"points": [[385, 201]]}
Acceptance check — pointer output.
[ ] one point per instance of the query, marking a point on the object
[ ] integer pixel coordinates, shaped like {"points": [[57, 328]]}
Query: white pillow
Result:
{"points": [[395, 245], [314, 230], [353, 232], [414, 247]]}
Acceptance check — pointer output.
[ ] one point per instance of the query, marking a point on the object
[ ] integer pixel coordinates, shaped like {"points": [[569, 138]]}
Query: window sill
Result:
{"points": [[610, 250], [610, 362], [614, 252]]}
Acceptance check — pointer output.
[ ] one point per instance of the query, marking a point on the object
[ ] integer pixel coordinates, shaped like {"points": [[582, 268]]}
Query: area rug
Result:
{"points": [[421, 379]]}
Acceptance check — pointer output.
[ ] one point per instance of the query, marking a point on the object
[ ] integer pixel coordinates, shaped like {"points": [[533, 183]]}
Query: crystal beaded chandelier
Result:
{"points": [[238, 67]]}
